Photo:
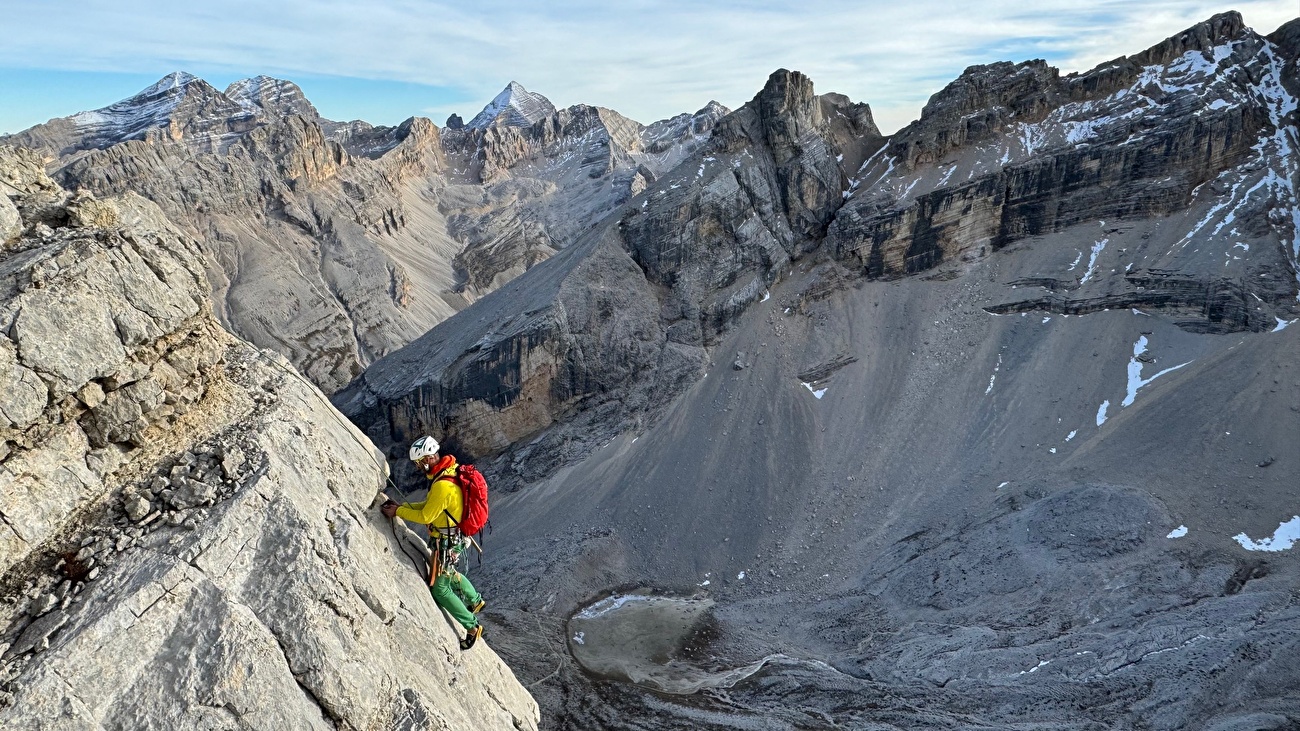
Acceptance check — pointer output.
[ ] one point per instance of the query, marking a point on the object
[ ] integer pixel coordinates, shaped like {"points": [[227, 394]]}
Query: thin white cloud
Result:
{"points": [[646, 58]]}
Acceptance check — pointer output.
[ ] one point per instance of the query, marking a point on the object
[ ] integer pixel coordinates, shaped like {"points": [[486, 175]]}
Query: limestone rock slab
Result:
{"points": [[10, 223]]}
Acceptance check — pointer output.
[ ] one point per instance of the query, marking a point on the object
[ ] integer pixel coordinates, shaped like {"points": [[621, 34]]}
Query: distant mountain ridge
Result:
{"points": [[336, 242]]}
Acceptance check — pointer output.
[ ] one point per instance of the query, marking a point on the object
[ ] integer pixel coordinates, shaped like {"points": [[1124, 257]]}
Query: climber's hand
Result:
{"points": [[389, 508]]}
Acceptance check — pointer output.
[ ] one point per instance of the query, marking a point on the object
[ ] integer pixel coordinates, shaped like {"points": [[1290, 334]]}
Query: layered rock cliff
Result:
{"points": [[1008, 152], [186, 533]]}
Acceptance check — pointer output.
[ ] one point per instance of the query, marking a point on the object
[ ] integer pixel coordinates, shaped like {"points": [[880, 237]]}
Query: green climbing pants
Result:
{"points": [[454, 593]]}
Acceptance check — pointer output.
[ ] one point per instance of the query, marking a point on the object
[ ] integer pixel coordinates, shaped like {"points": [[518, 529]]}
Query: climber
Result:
{"points": [[441, 511]]}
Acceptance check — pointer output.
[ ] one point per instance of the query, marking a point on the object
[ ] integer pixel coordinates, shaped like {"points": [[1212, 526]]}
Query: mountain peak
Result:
{"points": [[167, 91], [174, 81], [150, 107], [172, 103], [515, 106], [1214, 31], [272, 96]]}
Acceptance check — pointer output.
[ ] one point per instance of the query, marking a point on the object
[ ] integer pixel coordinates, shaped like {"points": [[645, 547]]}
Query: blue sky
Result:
{"points": [[385, 60]]}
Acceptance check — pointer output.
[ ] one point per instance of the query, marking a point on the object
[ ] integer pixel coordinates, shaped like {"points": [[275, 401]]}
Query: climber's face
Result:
{"points": [[427, 463]]}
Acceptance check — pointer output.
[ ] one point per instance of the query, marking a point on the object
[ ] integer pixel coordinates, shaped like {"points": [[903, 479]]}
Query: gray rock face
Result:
{"points": [[186, 528], [987, 101], [1136, 138], [990, 459], [537, 194], [273, 245], [271, 97], [666, 134]]}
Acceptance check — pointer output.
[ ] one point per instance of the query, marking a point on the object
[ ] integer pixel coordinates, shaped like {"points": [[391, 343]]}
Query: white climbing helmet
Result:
{"points": [[423, 447]]}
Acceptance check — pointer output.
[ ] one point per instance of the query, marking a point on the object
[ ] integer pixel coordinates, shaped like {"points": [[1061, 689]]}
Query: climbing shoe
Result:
{"points": [[471, 637], [479, 606]]}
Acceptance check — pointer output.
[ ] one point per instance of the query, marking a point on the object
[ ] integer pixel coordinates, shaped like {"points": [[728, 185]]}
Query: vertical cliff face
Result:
{"points": [[186, 532]]}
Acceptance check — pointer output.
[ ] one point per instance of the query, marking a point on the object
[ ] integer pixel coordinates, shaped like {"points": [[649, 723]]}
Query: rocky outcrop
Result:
{"points": [[718, 247], [1198, 304], [603, 140], [416, 152], [988, 101], [271, 97], [10, 223], [83, 302], [289, 224], [1008, 153], [186, 536], [530, 205], [666, 134]]}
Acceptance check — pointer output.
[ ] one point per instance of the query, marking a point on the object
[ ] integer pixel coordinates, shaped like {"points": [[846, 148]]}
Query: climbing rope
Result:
{"points": [[401, 543]]}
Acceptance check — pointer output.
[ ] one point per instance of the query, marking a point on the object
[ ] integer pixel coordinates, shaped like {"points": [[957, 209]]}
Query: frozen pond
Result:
{"points": [[652, 641]]}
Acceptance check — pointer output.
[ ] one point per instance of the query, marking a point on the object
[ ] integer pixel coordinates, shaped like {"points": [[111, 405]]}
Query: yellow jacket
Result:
{"points": [[444, 495]]}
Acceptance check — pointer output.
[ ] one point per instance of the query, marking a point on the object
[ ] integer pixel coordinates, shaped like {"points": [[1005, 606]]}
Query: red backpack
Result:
{"points": [[473, 491]]}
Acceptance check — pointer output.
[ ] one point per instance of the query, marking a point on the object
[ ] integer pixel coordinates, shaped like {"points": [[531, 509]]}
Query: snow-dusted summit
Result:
{"points": [[271, 96], [178, 107], [669, 132], [171, 102], [515, 106]]}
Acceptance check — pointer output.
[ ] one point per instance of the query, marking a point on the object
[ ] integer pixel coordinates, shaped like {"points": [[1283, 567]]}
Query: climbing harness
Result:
{"points": [[461, 534], [447, 549]]}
